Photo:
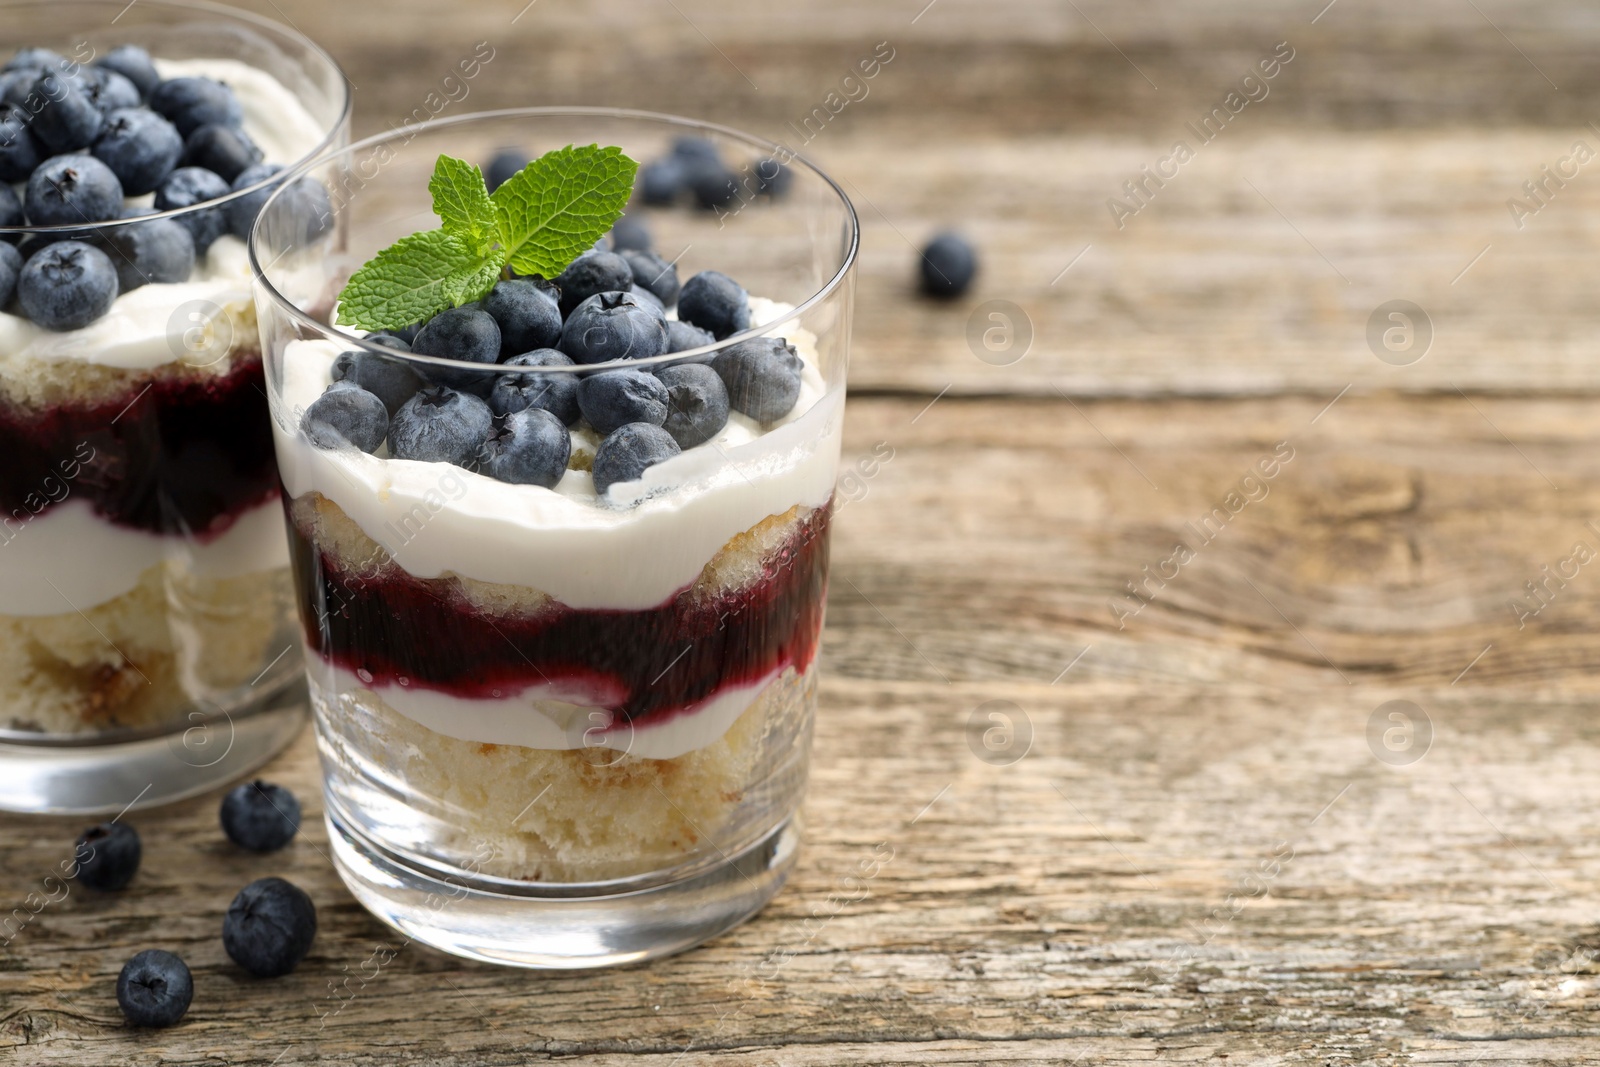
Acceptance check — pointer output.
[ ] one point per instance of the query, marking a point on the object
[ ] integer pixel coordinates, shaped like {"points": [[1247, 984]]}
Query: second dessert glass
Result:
{"points": [[562, 728]]}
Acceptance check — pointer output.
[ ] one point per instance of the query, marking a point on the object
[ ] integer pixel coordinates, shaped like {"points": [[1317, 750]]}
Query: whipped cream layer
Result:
{"points": [[631, 551], [69, 559]]}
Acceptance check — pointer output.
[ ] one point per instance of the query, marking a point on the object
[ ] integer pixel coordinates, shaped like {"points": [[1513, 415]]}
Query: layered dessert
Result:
{"points": [[568, 618], [141, 548]]}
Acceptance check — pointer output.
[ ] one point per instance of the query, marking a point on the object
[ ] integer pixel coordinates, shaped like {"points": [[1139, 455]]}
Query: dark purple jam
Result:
{"points": [[391, 628], [181, 455]]}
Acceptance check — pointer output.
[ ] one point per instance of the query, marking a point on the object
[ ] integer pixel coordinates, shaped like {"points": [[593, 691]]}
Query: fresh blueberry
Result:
{"points": [[154, 988], [408, 334], [258, 815], [67, 118], [269, 927], [344, 415], [652, 272], [224, 150], [555, 393], [762, 376], [528, 316], [616, 398], [660, 181], [36, 59], [697, 403], [10, 206], [67, 285], [304, 214], [440, 425], [645, 296], [682, 336], [159, 250], [390, 380], [389, 339], [629, 234], [108, 856], [469, 334], [714, 186], [242, 212], [140, 147], [529, 447], [72, 189], [614, 326], [10, 267], [696, 149], [713, 301], [506, 163], [186, 187], [592, 273], [628, 451], [773, 178], [947, 266], [20, 153], [189, 103], [133, 63], [111, 91]]}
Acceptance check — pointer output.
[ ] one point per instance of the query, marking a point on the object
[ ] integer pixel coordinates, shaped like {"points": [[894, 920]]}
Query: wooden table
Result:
{"points": [[1205, 839]]}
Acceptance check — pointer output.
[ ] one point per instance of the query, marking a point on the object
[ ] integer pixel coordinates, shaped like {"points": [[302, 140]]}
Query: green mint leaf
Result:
{"points": [[557, 206], [461, 200], [411, 280], [472, 283]]}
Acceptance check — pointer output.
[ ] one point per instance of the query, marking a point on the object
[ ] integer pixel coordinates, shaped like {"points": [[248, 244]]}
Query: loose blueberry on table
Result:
{"points": [[260, 816], [154, 988], [269, 927], [108, 856]]}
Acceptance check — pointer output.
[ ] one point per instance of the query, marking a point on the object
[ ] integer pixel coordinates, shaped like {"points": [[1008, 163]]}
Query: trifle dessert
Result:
{"points": [[143, 566], [560, 536]]}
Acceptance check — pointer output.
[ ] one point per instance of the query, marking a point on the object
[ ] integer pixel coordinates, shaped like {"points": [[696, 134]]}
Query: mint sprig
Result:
{"points": [[537, 222]]}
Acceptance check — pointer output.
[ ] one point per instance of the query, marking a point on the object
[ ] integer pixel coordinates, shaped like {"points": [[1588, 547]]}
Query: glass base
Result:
{"points": [[99, 778], [560, 927]]}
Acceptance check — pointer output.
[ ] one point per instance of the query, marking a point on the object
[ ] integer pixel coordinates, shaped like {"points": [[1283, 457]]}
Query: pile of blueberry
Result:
{"points": [[268, 929], [81, 141], [609, 304]]}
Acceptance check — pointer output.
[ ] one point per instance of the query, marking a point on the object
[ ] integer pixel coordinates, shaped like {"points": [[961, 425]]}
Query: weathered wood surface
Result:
{"points": [[1201, 855]]}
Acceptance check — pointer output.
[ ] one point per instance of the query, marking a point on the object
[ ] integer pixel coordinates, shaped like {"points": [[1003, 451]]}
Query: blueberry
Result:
{"points": [[156, 251], [773, 178], [614, 326], [616, 398], [67, 118], [592, 273], [469, 334], [10, 267], [682, 336], [528, 316], [947, 266], [762, 376], [108, 856], [304, 214], [154, 988], [628, 451], [269, 927], [646, 297], [36, 59], [72, 189], [224, 150], [629, 234], [695, 149], [67, 285], [242, 212], [660, 181], [10, 207], [140, 147], [390, 380], [529, 447], [111, 91], [652, 272], [697, 403], [133, 63], [506, 163], [345, 415], [714, 186], [260, 816], [713, 301], [186, 187], [555, 393], [192, 102], [440, 425], [20, 153]]}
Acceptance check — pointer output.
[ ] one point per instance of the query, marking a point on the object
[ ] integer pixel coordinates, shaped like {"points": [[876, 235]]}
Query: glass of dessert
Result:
{"points": [[146, 624], [558, 462]]}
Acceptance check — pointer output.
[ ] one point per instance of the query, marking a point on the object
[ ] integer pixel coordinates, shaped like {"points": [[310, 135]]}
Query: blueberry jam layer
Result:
{"points": [[176, 454], [391, 628]]}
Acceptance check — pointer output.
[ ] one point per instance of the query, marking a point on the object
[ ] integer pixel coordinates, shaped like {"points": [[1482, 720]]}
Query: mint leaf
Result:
{"points": [[557, 206], [461, 200], [410, 281]]}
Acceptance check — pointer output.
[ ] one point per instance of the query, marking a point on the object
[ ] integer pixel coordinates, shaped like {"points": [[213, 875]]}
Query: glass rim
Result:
{"points": [[346, 103], [410, 131]]}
